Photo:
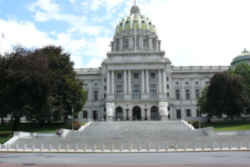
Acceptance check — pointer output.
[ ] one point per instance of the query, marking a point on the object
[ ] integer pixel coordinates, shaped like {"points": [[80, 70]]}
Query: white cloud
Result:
{"points": [[193, 32], [47, 6], [78, 23], [94, 63], [22, 33], [27, 35], [72, 1], [200, 32], [97, 4]]}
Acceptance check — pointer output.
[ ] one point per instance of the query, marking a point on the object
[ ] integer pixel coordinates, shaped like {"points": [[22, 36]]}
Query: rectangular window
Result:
{"points": [[178, 114], [153, 90], [95, 95], [188, 113], [136, 75], [119, 76], [197, 93], [153, 75], [119, 89], [136, 92], [187, 94], [177, 94]]}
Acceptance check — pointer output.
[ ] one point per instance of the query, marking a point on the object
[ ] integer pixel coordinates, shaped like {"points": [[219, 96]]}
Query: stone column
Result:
{"points": [[113, 82], [163, 108], [124, 115], [90, 115], [129, 83], [131, 43], [142, 82], [121, 44], [157, 44], [150, 43], [130, 114], [143, 114], [164, 83], [125, 82], [149, 114], [141, 43], [160, 82], [147, 82], [110, 107], [108, 83]]}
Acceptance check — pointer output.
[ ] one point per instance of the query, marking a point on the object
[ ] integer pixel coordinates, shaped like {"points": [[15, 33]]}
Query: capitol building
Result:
{"points": [[137, 81]]}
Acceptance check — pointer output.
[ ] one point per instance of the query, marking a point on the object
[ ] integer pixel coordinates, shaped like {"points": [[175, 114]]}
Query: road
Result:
{"points": [[204, 159]]}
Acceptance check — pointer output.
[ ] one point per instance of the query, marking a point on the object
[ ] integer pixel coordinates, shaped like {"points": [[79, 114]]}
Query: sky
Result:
{"points": [[193, 32]]}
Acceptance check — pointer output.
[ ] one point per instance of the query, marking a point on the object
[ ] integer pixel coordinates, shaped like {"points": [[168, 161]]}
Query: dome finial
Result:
{"points": [[135, 9]]}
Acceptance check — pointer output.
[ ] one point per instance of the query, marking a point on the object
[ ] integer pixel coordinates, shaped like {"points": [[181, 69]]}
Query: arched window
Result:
{"points": [[117, 44], [85, 114], [155, 115], [154, 44], [125, 43], [146, 43], [119, 114]]}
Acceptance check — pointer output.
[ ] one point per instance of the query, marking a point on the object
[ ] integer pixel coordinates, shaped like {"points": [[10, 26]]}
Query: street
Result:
{"points": [[239, 159]]}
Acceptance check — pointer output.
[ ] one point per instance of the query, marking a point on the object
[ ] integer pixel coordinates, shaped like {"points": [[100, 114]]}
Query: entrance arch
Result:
{"points": [[119, 114], [85, 115], [155, 115], [137, 113], [95, 115]]}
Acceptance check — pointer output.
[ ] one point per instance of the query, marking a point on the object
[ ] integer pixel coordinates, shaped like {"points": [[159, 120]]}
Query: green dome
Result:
{"points": [[135, 21], [244, 57]]}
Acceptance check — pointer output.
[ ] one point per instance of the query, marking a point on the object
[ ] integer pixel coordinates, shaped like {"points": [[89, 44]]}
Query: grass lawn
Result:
{"points": [[6, 134], [230, 126]]}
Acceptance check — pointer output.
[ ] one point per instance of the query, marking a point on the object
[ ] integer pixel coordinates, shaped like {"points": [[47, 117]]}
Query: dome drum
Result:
{"points": [[135, 33]]}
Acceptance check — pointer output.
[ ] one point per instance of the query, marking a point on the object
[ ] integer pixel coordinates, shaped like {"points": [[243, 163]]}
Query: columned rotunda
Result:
{"points": [[137, 82]]}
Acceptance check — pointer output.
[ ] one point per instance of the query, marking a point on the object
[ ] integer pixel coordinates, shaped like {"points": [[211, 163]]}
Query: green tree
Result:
{"points": [[224, 95], [39, 83], [3, 86], [25, 87], [202, 102], [65, 93], [243, 70]]}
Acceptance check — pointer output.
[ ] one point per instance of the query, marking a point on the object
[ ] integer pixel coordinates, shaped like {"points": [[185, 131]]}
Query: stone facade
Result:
{"points": [[137, 82]]}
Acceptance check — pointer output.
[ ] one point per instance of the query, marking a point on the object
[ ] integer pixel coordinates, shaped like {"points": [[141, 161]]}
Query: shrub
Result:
{"points": [[76, 125], [195, 124]]}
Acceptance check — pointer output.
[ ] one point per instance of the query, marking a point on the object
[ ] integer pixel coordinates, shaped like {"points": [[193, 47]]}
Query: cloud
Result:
{"points": [[27, 35], [107, 4], [72, 1], [94, 63], [194, 32], [22, 33], [44, 9]]}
